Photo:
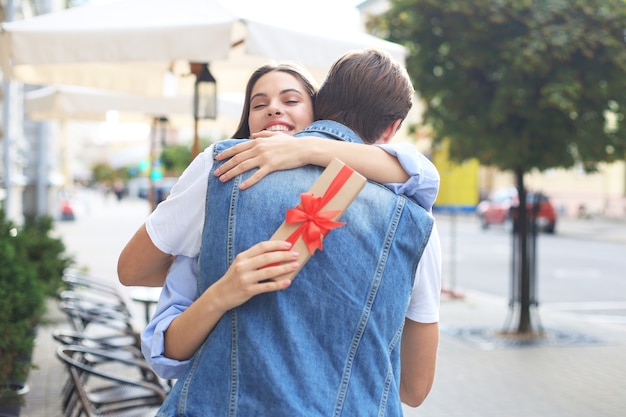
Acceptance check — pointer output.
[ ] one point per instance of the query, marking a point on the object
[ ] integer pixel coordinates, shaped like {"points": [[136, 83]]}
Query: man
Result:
{"points": [[336, 341]]}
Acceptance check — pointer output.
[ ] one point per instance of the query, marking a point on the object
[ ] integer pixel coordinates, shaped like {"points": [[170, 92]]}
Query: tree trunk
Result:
{"points": [[521, 225]]}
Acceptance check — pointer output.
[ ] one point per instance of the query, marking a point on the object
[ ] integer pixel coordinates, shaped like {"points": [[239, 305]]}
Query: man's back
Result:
{"points": [[330, 342]]}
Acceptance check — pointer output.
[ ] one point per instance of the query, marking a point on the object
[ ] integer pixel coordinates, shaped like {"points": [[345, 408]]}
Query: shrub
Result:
{"points": [[31, 267], [47, 253], [21, 309]]}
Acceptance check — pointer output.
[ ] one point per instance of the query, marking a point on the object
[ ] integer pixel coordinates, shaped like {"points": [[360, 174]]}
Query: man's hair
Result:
{"points": [[310, 87], [366, 91]]}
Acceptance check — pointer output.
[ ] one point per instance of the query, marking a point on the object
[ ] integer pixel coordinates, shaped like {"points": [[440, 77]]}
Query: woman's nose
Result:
{"points": [[273, 110]]}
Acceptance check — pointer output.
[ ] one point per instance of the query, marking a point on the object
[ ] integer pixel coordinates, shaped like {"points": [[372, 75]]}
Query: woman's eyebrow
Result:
{"points": [[258, 95], [285, 91], [291, 90]]}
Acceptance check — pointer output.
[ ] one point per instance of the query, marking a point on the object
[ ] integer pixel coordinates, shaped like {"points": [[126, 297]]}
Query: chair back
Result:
{"points": [[124, 386]]}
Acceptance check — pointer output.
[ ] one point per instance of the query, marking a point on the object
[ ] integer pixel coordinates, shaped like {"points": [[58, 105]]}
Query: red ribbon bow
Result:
{"points": [[315, 224]]}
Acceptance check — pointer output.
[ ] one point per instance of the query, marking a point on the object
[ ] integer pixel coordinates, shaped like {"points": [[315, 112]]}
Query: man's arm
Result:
{"points": [[420, 336], [142, 263], [418, 358]]}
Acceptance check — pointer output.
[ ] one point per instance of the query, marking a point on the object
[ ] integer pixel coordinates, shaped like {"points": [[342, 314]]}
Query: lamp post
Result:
{"points": [[156, 147], [204, 99]]}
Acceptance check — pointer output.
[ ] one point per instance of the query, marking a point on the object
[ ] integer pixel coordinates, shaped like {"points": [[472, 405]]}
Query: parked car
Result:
{"points": [[500, 208]]}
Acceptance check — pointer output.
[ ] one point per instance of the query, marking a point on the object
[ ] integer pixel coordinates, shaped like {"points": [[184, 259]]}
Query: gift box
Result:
{"points": [[320, 208]]}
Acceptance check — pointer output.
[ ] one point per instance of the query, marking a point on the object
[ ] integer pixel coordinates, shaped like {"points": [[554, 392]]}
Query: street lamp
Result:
{"points": [[157, 144], [204, 99]]}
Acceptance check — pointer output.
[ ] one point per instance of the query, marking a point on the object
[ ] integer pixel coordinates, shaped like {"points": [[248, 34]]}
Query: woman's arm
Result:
{"points": [[271, 151], [174, 228], [178, 293], [248, 275], [142, 263], [398, 166], [423, 184]]}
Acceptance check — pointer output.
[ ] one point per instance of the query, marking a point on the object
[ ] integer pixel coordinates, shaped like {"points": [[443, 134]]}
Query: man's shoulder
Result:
{"points": [[331, 130], [220, 145]]}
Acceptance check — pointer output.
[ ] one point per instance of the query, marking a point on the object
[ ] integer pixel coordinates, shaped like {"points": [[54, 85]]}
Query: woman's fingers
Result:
{"points": [[264, 257], [234, 150], [267, 152], [262, 268]]}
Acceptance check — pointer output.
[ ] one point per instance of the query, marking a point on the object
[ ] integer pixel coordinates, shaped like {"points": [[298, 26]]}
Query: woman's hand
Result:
{"points": [[255, 271], [269, 151], [260, 269]]}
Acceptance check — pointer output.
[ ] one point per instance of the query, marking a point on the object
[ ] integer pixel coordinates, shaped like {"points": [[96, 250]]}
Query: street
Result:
{"points": [[580, 267], [574, 269]]}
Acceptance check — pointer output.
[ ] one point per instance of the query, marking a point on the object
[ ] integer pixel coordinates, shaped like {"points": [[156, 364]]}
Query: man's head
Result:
{"points": [[366, 91]]}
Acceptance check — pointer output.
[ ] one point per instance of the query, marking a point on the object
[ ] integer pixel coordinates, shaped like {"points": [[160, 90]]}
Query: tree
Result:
{"points": [[175, 158], [518, 84]]}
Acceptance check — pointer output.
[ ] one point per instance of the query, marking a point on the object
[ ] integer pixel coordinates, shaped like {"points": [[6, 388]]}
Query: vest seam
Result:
{"points": [[234, 387]]}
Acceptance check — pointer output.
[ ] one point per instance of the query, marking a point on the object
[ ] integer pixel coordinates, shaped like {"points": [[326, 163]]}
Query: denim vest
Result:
{"points": [[328, 345]]}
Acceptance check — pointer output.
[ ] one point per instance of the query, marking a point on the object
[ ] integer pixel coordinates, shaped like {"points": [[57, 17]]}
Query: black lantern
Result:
{"points": [[204, 98], [205, 94]]}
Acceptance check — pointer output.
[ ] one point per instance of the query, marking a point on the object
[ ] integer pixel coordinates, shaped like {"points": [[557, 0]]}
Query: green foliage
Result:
{"points": [[518, 84], [104, 173], [21, 308], [31, 267], [46, 253], [75, 3], [175, 159]]}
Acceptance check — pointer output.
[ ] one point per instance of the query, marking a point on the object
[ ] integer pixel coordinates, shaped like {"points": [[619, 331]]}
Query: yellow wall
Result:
{"points": [[459, 182]]}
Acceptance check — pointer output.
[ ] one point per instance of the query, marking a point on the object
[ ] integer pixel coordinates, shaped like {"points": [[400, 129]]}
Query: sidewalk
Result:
{"points": [[474, 379], [596, 228]]}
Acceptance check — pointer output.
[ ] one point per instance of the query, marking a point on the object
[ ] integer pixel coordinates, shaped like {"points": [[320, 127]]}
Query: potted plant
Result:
{"points": [[31, 267]]}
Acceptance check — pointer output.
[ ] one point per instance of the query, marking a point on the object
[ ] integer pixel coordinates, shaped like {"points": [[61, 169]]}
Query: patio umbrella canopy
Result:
{"points": [[130, 45], [85, 103]]}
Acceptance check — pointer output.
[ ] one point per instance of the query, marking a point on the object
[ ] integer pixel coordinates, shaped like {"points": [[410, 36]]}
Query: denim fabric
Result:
{"points": [[329, 345]]}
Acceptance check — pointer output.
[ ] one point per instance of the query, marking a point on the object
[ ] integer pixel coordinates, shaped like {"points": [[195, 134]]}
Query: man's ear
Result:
{"points": [[389, 132]]}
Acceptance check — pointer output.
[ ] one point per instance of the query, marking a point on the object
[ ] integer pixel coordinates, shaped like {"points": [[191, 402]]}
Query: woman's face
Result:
{"points": [[279, 103]]}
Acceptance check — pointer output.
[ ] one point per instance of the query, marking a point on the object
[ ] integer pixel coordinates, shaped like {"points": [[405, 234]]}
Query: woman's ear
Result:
{"points": [[389, 132]]}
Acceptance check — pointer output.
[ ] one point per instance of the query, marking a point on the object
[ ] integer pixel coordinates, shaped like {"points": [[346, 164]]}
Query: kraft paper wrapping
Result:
{"points": [[339, 202]]}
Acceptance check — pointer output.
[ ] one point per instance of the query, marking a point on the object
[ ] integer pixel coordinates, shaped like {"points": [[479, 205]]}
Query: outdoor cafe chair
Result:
{"points": [[78, 282], [115, 390], [121, 344], [84, 317], [95, 304]]}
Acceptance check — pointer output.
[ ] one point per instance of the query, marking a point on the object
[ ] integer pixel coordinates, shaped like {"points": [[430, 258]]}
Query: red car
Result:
{"points": [[499, 208]]}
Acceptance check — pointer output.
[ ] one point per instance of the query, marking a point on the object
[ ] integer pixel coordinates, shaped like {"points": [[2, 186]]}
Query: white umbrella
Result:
{"points": [[85, 103], [129, 45], [66, 103]]}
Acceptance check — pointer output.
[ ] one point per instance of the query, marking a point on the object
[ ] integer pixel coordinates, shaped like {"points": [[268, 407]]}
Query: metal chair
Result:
{"points": [[117, 388], [83, 316], [79, 282]]}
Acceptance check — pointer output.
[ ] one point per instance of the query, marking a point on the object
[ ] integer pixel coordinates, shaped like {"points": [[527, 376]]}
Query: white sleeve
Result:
{"points": [[175, 226], [426, 295]]}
